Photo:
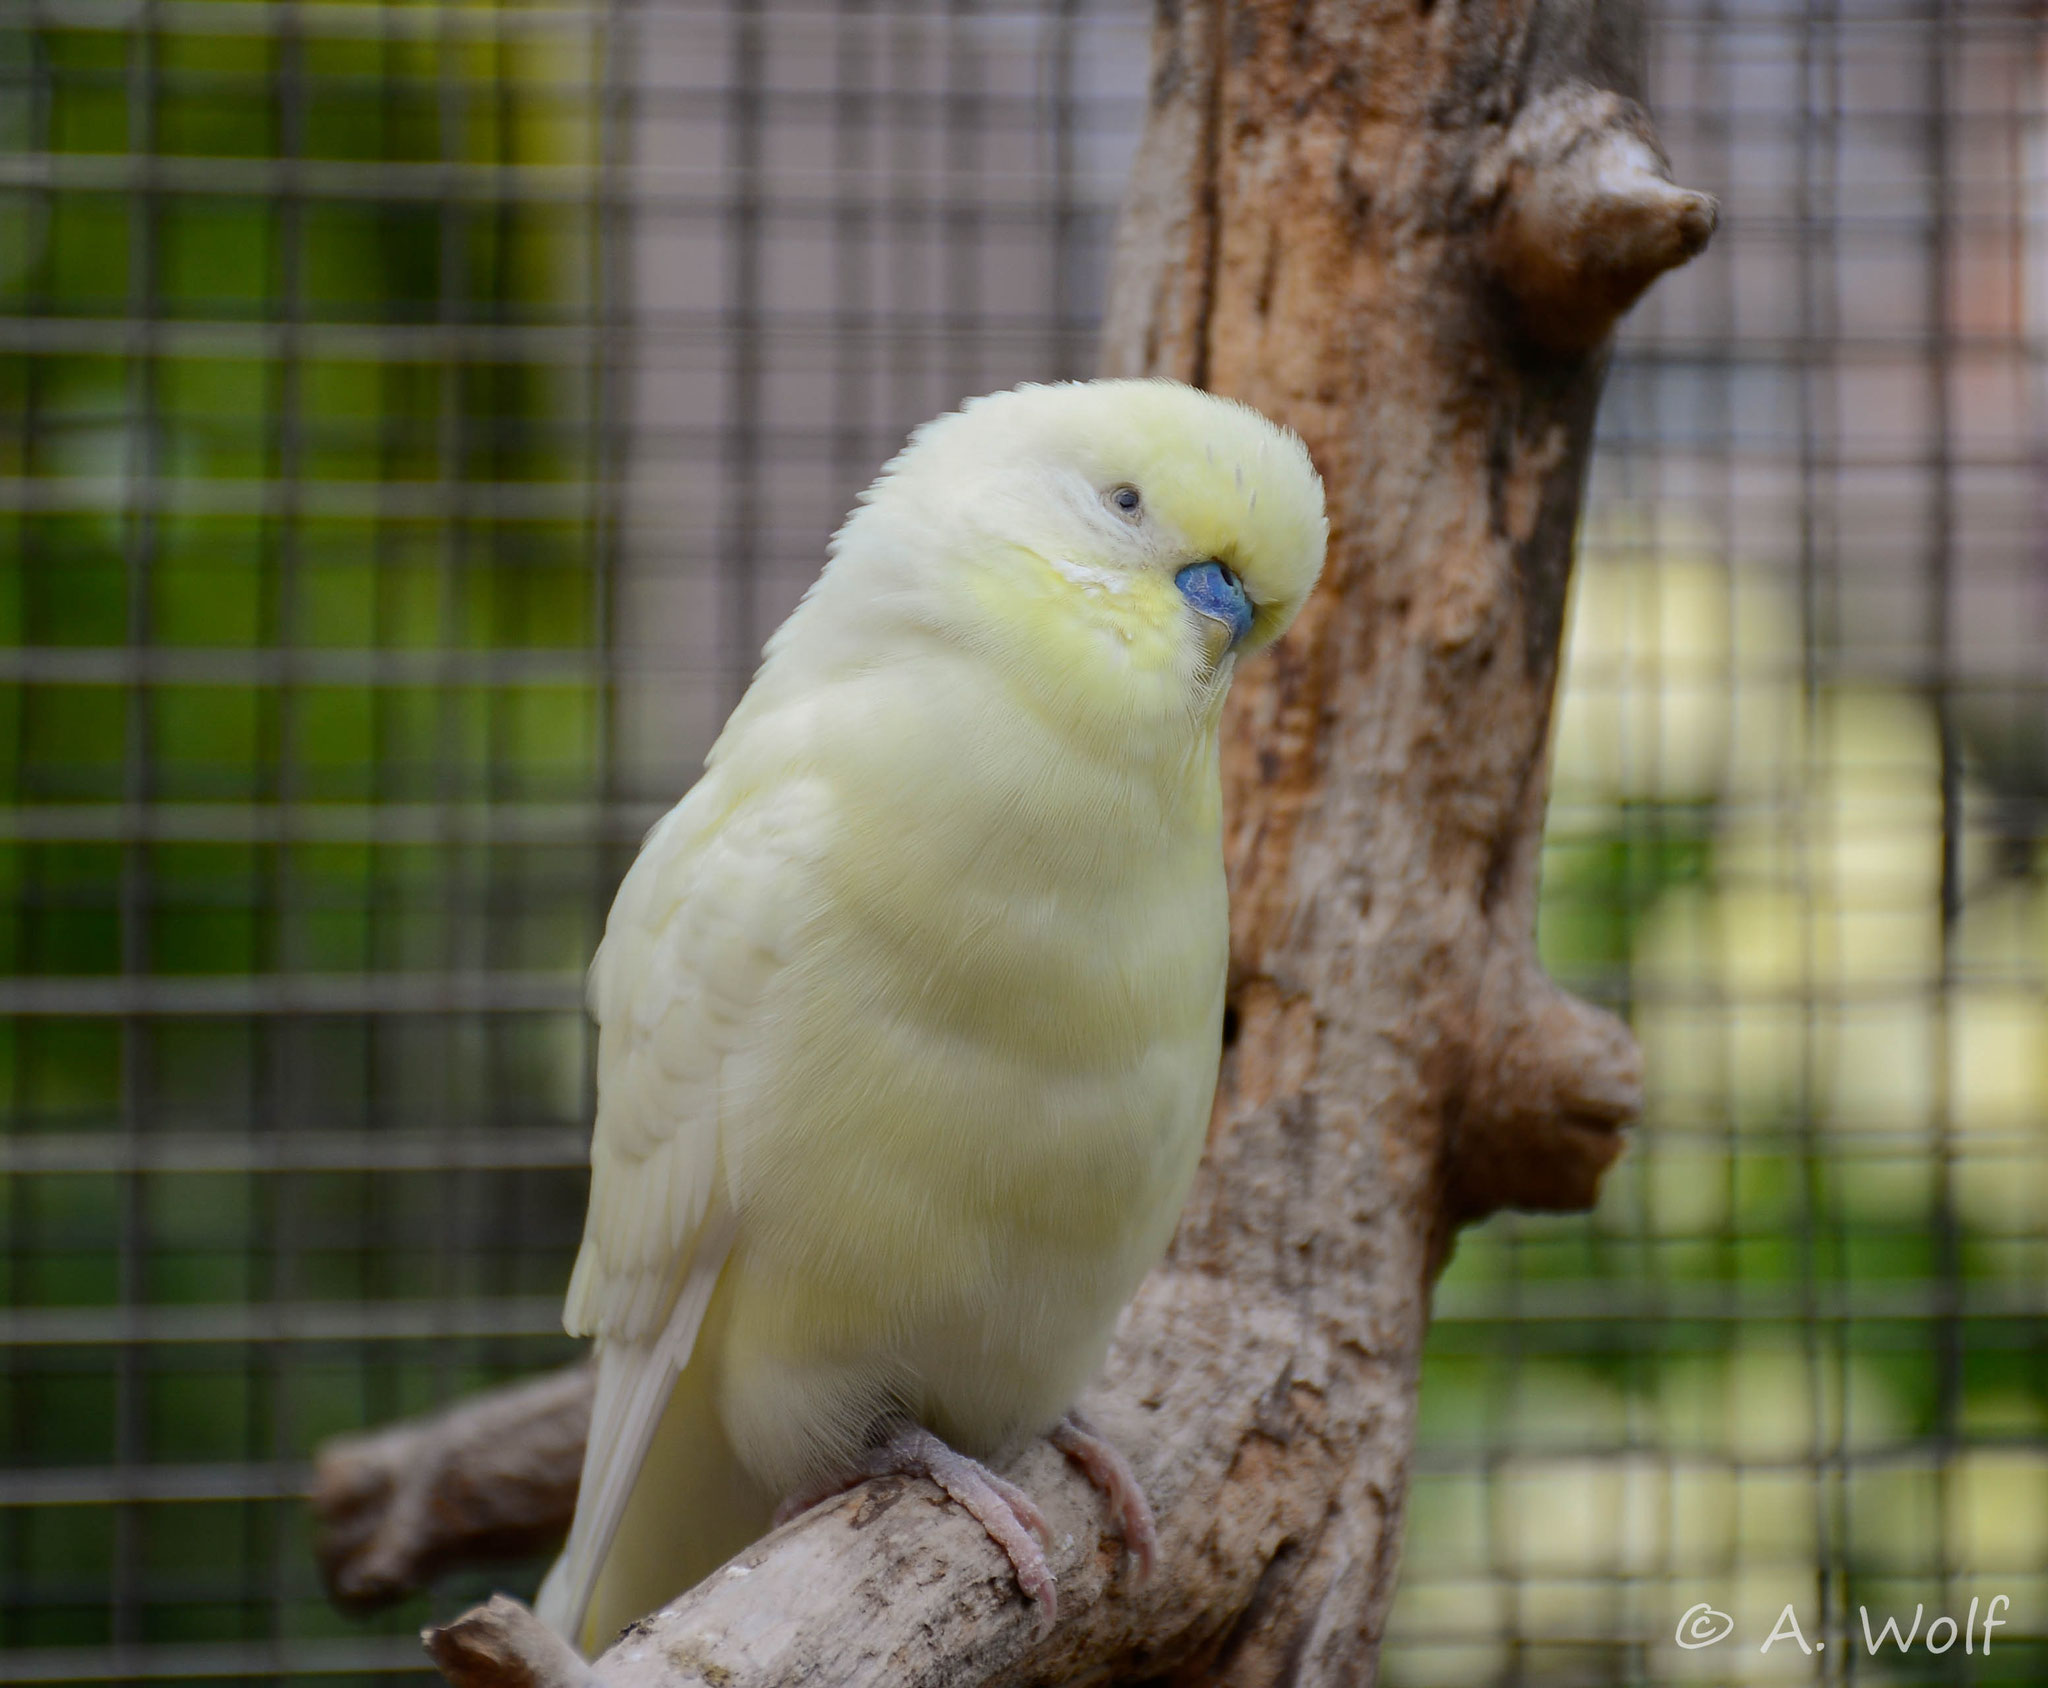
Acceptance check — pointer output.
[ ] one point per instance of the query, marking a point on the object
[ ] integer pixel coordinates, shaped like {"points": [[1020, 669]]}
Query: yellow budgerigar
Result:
{"points": [[910, 1012]]}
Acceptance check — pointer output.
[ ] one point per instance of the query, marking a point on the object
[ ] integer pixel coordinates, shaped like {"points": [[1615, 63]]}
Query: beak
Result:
{"points": [[1217, 644], [1215, 593]]}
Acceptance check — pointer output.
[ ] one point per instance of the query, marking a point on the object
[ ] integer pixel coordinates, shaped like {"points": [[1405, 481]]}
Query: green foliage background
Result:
{"points": [[301, 577], [1795, 1357]]}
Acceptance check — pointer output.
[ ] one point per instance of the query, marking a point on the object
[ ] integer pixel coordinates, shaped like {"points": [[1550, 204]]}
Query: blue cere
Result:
{"points": [[1214, 591]]}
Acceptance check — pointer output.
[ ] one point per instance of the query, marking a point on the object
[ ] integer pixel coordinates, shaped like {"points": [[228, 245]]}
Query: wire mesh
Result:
{"points": [[307, 557], [415, 415], [414, 418], [1797, 1357]]}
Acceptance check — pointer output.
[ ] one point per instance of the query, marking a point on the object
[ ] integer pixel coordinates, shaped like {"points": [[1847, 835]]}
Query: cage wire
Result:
{"points": [[415, 416], [1797, 1355]]}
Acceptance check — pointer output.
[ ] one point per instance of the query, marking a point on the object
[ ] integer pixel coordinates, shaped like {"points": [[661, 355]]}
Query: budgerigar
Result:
{"points": [[910, 1012]]}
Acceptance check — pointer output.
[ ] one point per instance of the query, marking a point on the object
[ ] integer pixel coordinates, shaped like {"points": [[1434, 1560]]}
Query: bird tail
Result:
{"points": [[657, 1464]]}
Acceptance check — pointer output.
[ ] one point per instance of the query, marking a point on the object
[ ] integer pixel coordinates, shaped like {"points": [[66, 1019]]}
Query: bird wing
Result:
{"points": [[709, 914]]}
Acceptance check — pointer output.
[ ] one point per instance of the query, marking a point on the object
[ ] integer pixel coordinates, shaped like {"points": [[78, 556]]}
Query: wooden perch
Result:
{"points": [[1406, 230], [491, 1479]]}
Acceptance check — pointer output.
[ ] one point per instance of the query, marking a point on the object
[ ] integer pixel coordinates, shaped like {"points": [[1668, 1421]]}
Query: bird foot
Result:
{"points": [[1005, 1511], [1110, 1472]]}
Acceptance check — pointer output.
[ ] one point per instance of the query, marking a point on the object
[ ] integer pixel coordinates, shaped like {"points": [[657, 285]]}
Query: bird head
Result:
{"points": [[1102, 540]]}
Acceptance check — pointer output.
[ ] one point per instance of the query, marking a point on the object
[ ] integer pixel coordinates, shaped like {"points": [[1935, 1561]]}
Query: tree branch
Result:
{"points": [[1587, 215], [1407, 231], [489, 1479]]}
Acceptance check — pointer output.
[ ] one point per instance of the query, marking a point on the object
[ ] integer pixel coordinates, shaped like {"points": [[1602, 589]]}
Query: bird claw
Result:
{"points": [[1110, 1472]]}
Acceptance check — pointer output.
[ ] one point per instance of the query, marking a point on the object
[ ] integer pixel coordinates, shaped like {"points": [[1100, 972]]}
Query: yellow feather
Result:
{"points": [[917, 997]]}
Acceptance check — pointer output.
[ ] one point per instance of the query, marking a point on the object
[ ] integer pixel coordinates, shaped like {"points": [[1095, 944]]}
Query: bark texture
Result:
{"points": [[1407, 231]]}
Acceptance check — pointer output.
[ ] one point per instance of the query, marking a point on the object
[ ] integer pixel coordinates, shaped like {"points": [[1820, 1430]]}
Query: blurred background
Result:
{"points": [[413, 417]]}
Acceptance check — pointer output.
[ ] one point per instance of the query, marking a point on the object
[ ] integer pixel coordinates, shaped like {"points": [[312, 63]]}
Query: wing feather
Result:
{"points": [[710, 913]]}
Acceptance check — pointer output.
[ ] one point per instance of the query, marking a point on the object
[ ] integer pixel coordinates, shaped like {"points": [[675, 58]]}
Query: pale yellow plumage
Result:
{"points": [[909, 1012]]}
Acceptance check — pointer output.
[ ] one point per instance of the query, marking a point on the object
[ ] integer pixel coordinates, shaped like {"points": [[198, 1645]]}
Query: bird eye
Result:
{"points": [[1126, 499]]}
